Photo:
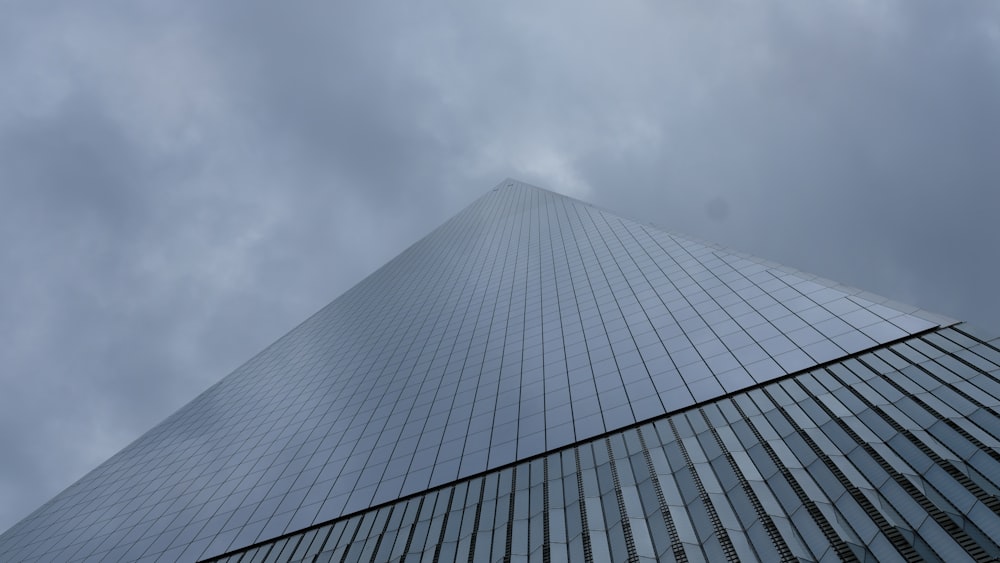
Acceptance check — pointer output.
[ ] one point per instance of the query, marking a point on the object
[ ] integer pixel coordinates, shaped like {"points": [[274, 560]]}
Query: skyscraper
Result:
{"points": [[542, 379]]}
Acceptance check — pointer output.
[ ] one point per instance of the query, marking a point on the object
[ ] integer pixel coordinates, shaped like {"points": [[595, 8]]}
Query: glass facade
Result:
{"points": [[887, 456], [541, 378]]}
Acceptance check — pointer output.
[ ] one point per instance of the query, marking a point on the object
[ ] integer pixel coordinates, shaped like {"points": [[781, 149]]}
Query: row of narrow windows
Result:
{"points": [[888, 456]]}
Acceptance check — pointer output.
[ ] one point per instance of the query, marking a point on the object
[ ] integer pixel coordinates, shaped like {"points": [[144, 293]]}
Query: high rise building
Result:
{"points": [[540, 379]]}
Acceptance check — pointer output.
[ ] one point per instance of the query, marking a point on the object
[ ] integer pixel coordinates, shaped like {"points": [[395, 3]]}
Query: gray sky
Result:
{"points": [[182, 183]]}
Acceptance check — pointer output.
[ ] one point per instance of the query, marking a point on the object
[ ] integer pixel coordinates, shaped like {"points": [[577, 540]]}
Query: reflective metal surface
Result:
{"points": [[890, 456]]}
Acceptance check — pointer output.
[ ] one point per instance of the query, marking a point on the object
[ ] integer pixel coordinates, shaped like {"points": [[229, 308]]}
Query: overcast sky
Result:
{"points": [[181, 183]]}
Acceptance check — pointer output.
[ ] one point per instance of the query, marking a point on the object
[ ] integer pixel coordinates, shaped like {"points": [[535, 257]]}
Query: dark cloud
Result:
{"points": [[181, 184]]}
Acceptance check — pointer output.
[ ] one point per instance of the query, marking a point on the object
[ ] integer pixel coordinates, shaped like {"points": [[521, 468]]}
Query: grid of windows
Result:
{"points": [[888, 456], [527, 322]]}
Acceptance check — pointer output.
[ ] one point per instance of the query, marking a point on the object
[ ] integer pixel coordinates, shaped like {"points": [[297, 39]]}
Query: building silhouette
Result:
{"points": [[540, 379]]}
